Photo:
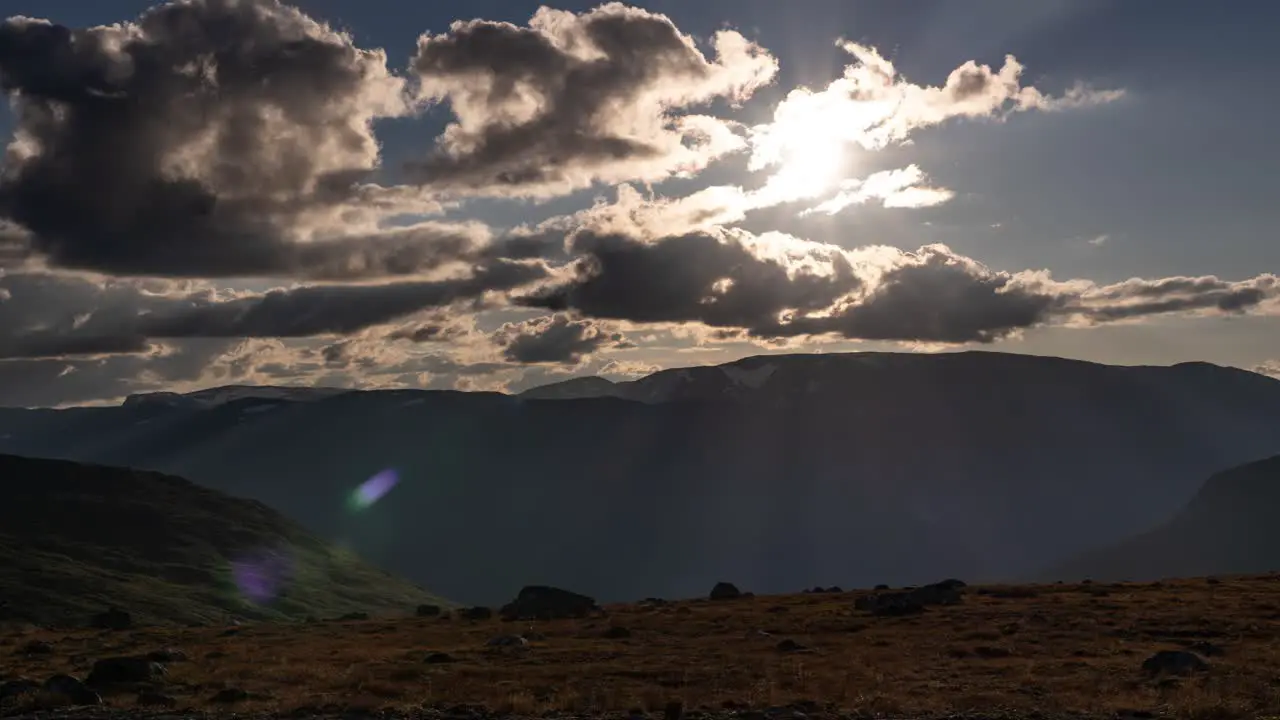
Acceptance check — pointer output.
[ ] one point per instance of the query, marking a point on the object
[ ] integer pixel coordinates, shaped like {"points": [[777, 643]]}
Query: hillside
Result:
{"points": [[1228, 527], [76, 539], [862, 468], [1048, 652]]}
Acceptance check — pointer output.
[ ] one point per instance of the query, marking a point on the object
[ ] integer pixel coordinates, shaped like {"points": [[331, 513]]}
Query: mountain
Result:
{"points": [[1229, 527], [775, 472], [76, 539]]}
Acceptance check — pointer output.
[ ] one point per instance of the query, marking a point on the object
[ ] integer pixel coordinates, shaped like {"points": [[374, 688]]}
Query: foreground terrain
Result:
{"points": [[1015, 651]]}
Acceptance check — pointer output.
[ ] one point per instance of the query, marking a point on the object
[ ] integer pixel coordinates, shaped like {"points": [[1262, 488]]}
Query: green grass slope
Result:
{"points": [[76, 539]]}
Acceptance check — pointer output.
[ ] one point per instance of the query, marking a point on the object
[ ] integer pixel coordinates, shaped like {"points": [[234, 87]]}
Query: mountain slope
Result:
{"points": [[775, 472], [1229, 527], [75, 539]]}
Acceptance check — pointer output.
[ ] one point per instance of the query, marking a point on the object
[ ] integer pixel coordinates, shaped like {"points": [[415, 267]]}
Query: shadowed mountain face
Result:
{"points": [[1229, 527], [75, 539], [775, 472]]}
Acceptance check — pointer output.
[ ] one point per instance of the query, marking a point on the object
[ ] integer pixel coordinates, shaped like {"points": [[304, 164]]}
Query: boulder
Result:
{"points": [[1174, 662], [542, 602], [111, 671], [725, 591], [72, 689]]}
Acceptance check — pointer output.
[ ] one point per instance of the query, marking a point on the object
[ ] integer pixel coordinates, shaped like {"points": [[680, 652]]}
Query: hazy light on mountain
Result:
{"points": [[372, 490]]}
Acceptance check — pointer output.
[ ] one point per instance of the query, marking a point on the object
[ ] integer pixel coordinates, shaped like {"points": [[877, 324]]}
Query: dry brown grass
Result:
{"points": [[1056, 648]]}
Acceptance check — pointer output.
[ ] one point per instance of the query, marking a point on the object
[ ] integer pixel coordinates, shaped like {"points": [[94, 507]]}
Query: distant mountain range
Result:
{"points": [[1229, 527], [78, 539], [776, 472]]}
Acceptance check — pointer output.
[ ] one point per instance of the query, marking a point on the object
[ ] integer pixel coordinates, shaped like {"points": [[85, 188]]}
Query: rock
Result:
{"points": [[893, 604], [617, 632], [72, 689], [112, 619], [881, 586], [110, 671], [673, 711], [148, 698], [512, 641], [37, 647], [354, 617], [655, 602], [477, 613], [16, 688], [439, 658], [1174, 662], [1206, 648], [167, 655], [228, 696], [429, 610], [542, 602], [725, 591], [790, 646]]}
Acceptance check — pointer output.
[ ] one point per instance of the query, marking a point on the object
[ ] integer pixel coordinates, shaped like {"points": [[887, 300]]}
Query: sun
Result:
{"points": [[807, 149]]}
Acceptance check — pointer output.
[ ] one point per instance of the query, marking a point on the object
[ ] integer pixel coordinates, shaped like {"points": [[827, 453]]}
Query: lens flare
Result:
{"points": [[373, 489], [261, 577]]}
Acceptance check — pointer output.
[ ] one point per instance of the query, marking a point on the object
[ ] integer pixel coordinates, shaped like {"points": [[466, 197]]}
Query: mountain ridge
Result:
{"points": [[861, 469]]}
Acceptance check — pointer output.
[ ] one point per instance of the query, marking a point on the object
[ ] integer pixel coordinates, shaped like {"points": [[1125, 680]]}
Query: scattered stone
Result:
{"points": [[112, 619], [429, 610], [149, 698], [725, 591], [16, 688], [508, 641], [477, 613], [115, 670], [71, 689], [167, 655], [1174, 662], [895, 604], [791, 646], [229, 696], [992, 652], [1206, 648], [542, 602], [37, 647], [439, 658], [779, 609], [616, 632]]}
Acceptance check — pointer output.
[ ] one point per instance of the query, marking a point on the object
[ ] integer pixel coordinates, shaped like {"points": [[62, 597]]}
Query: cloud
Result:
{"points": [[901, 188], [51, 315], [1099, 240], [721, 278], [777, 286], [574, 99], [208, 138], [554, 339]]}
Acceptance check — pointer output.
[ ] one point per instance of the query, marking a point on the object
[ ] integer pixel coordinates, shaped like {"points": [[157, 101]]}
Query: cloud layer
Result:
{"points": [[155, 161]]}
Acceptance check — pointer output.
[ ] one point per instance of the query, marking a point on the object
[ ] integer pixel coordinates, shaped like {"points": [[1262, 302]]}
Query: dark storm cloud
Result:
{"points": [[554, 339], [772, 286], [208, 138], [575, 98], [939, 298], [51, 315], [715, 278]]}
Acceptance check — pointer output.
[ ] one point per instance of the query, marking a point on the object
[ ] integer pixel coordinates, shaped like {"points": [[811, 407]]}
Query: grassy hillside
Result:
{"points": [[76, 539], [1024, 651]]}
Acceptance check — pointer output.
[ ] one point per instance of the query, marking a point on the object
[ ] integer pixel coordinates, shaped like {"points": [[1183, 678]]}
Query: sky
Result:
{"points": [[384, 194]]}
